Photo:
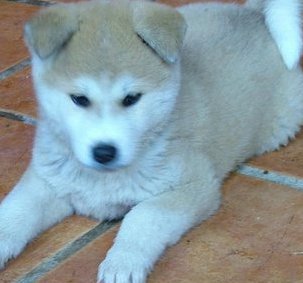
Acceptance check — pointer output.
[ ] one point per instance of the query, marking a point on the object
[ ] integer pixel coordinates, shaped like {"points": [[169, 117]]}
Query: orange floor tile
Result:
{"points": [[13, 16]]}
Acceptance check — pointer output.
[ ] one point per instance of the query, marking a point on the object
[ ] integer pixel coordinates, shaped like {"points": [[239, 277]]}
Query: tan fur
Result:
{"points": [[101, 44], [161, 27], [51, 29]]}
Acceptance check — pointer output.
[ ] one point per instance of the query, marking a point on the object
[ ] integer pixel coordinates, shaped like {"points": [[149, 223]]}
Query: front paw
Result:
{"points": [[8, 250], [123, 267]]}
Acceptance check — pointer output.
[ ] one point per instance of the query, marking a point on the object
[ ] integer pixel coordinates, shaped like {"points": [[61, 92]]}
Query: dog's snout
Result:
{"points": [[104, 153]]}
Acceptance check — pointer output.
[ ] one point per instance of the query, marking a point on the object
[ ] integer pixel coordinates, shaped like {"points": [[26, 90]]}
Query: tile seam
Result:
{"points": [[14, 69], [39, 3], [271, 176], [17, 116], [65, 253]]}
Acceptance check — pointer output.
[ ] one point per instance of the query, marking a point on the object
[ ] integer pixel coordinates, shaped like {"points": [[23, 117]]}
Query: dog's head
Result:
{"points": [[106, 75]]}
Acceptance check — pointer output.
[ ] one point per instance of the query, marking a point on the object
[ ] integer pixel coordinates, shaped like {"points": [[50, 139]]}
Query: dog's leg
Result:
{"points": [[30, 208], [159, 222]]}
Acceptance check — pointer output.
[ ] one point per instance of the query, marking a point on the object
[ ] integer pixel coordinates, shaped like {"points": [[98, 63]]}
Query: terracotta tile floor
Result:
{"points": [[249, 240]]}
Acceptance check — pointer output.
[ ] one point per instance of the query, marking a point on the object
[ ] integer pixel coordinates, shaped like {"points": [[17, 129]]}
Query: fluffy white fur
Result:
{"points": [[227, 97]]}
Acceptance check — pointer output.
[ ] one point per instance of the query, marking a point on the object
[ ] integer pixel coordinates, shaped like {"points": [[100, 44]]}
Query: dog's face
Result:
{"points": [[106, 75]]}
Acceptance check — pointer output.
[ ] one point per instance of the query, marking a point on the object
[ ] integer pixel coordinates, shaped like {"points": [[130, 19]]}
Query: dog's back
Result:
{"points": [[247, 99]]}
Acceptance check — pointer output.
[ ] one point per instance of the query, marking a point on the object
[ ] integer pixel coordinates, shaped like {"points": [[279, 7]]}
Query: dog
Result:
{"points": [[144, 109]]}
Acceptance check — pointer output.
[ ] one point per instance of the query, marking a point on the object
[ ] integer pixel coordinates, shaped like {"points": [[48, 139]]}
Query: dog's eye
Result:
{"points": [[131, 99], [80, 100]]}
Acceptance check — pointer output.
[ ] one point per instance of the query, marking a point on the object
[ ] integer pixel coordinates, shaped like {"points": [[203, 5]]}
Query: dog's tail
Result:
{"points": [[283, 19]]}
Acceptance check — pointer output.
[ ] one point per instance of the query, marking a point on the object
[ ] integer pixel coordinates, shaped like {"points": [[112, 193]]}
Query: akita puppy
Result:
{"points": [[143, 110]]}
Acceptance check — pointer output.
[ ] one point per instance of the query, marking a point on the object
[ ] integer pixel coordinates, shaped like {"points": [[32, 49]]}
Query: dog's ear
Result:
{"points": [[161, 27], [50, 29]]}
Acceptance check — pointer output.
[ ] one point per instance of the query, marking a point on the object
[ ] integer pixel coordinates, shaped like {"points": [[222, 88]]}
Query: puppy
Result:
{"points": [[144, 110]]}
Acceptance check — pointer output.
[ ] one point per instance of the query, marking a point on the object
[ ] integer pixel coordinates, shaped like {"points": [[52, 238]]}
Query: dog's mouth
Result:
{"points": [[109, 167]]}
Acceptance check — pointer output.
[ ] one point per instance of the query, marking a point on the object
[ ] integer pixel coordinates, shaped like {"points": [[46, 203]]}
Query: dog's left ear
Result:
{"points": [[48, 31], [161, 27]]}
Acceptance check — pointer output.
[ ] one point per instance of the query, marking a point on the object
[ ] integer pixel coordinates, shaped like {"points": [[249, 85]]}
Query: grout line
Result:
{"points": [[34, 2], [78, 244], [271, 176], [18, 67], [42, 3], [12, 115]]}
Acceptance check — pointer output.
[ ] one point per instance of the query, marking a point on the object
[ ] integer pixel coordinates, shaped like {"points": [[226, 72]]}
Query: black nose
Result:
{"points": [[104, 153]]}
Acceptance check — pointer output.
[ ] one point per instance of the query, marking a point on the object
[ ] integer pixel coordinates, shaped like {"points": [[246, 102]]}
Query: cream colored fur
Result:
{"points": [[215, 91]]}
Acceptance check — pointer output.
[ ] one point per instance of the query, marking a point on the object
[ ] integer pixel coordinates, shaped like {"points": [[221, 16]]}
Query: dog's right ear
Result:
{"points": [[50, 30], [161, 27]]}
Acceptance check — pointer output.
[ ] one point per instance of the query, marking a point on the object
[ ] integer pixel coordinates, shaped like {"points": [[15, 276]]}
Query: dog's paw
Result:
{"points": [[123, 267], [8, 250]]}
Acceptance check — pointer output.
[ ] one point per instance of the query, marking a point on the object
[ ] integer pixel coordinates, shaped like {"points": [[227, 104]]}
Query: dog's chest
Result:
{"points": [[108, 198], [108, 195]]}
